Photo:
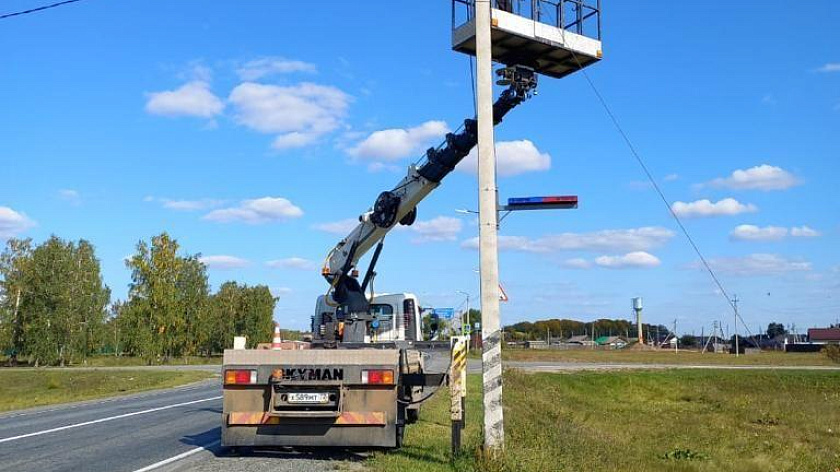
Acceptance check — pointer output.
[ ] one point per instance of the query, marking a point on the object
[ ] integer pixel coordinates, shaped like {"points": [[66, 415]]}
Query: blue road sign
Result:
{"points": [[445, 312]]}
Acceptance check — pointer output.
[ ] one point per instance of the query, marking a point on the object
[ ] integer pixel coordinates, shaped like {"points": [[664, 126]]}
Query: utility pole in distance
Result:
{"points": [[491, 359], [735, 305]]}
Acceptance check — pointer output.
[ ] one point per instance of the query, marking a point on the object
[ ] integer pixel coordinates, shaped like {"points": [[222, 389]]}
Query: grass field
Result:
{"points": [[24, 388], [642, 421], [683, 357], [130, 361]]}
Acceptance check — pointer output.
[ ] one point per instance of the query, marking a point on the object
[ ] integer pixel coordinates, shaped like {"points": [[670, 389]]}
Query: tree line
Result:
{"points": [[55, 308], [565, 328]]}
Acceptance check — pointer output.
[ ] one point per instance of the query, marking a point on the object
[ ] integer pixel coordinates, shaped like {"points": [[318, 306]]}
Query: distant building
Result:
{"points": [[536, 344], [582, 340], [615, 342], [824, 335]]}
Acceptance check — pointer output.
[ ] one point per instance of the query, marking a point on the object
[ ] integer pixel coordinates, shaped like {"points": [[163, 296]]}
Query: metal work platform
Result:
{"points": [[554, 37]]}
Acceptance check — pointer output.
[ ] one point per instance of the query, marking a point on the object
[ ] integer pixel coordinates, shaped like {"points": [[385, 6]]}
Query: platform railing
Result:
{"points": [[582, 17]]}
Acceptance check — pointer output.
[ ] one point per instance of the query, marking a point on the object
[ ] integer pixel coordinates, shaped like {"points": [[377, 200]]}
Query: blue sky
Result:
{"points": [[252, 131]]}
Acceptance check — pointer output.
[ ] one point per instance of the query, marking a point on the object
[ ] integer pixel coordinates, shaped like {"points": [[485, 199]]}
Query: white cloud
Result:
{"points": [[71, 196], [705, 208], [635, 239], [293, 140], [671, 177], [764, 177], [299, 114], [191, 99], [771, 233], [338, 227], [576, 263], [755, 233], [442, 228], [267, 66], [13, 223], [187, 205], [260, 210], [382, 167], [512, 158], [633, 260], [398, 143], [757, 264], [830, 67], [222, 262], [195, 71], [280, 292], [296, 263], [804, 232]]}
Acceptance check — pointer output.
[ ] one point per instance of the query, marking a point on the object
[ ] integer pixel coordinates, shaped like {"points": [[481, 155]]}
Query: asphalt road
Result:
{"points": [[119, 434], [178, 430]]}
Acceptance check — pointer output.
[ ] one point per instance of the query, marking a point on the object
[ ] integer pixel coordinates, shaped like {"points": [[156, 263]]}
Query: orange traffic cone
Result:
{"points": [[276, 342]]}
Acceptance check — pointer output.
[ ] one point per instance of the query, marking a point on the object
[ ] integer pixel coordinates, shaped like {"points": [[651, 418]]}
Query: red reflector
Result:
{"points": [[378, 377], [240, 377]]}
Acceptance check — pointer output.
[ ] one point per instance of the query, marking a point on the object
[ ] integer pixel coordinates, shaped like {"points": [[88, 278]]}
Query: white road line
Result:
{"points": [[178, 457], [103, 420], [85, 403]]}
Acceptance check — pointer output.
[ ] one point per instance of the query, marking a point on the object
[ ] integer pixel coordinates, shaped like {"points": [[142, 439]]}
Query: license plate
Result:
{"points": [[308, 397]]}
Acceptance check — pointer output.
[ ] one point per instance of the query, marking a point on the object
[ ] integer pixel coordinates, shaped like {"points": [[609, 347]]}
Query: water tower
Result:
{"points": [[637, 308], [553, 37]]}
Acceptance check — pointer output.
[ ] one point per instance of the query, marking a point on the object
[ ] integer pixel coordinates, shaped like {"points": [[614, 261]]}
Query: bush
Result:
{"points": [[832, 352]]}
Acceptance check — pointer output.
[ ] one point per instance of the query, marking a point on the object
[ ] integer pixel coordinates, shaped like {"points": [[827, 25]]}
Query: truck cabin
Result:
{"points": [[396, 317]]}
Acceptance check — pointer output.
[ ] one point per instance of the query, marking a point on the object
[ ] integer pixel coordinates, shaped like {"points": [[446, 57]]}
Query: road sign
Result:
{"points": [[445, 312]]}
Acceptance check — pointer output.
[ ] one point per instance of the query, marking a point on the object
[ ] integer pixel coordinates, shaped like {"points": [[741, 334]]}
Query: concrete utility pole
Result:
{"points": [[491, 359], [676, 339], [735, 304]]}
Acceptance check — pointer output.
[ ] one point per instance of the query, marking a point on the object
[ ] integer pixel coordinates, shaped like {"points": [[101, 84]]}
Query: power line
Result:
{"points": [[656, 186], [33, 10]]}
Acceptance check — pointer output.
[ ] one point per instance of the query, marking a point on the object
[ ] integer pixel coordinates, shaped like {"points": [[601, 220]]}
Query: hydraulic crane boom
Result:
{"points": [[399, 205]]}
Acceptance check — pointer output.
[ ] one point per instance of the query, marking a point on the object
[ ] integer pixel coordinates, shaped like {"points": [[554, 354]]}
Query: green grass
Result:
{"points": [[683, 357], [24, 388], [131, 361], [642, 421]]}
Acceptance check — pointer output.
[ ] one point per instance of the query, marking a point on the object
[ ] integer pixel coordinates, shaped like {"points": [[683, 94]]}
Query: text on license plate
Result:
{"points": [[308, 397]]}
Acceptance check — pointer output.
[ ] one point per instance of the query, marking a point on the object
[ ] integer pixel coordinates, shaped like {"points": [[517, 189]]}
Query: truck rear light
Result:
{"points": [[240, 377], [378, 377]]}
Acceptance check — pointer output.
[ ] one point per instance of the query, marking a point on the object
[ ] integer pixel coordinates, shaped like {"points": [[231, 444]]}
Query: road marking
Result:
{"points": [[178, 457], [103, 420], [87, 403]]}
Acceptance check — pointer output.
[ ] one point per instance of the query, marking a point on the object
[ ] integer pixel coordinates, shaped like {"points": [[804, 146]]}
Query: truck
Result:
{"points": [[369, 369]]}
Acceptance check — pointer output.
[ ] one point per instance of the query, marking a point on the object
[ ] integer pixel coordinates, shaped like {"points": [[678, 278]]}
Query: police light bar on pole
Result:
{"points": [[542, 203]]}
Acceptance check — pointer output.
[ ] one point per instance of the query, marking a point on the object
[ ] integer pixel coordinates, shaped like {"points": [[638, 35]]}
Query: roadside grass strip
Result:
{"points": [[674, 420], [28, 388]]}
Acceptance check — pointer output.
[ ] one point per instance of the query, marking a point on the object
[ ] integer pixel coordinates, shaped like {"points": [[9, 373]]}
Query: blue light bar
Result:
{"points": [[558, 200], [564, 202]]}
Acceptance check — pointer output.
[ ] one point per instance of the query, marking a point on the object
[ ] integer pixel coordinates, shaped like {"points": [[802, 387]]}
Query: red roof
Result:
{"points": [[824, 334]]}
